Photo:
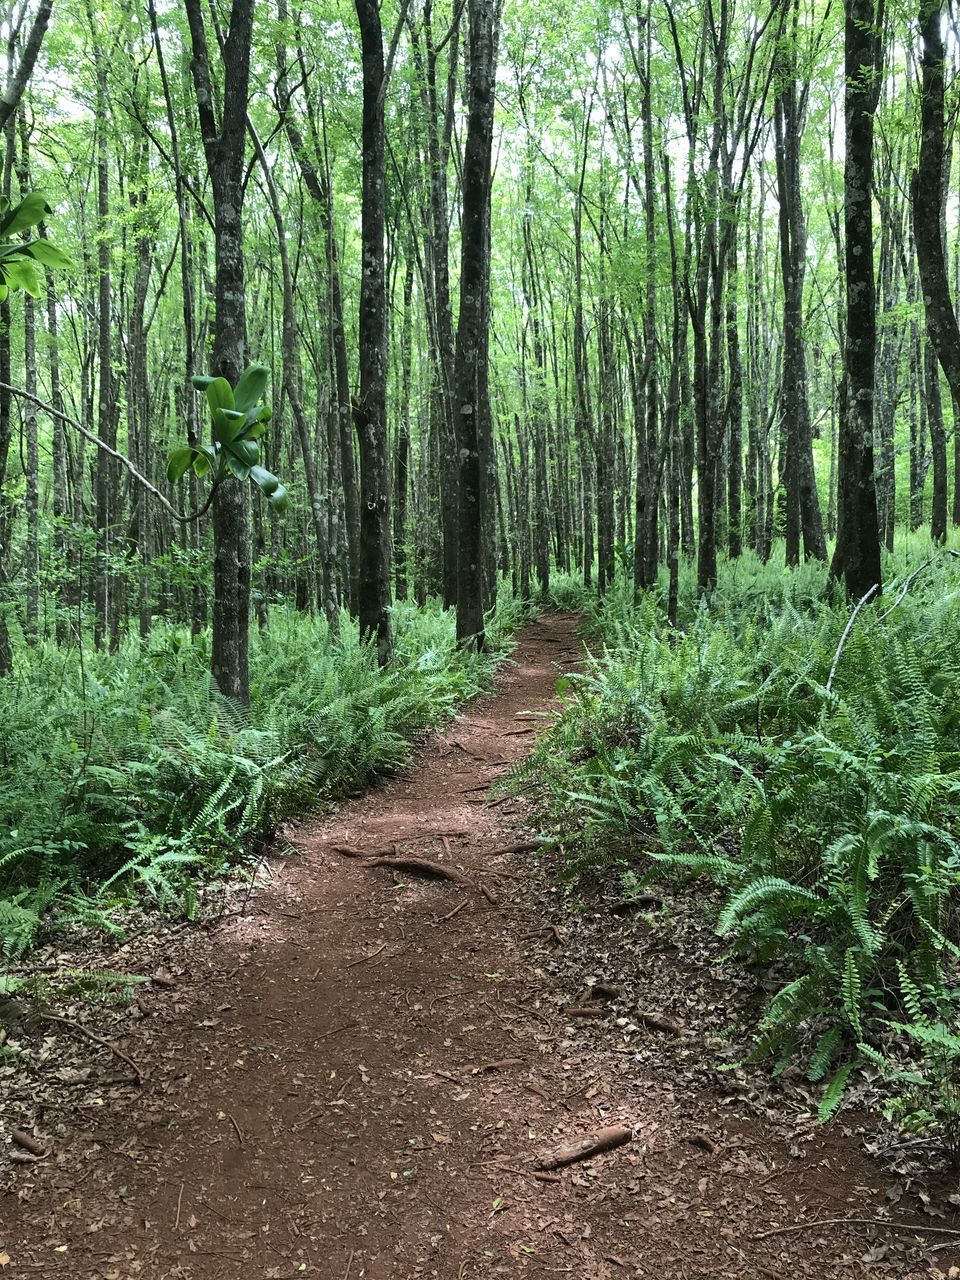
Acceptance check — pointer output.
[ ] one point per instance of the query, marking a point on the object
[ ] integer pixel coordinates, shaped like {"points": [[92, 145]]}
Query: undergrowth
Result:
{"points": [[816, 784], [127, 777]]}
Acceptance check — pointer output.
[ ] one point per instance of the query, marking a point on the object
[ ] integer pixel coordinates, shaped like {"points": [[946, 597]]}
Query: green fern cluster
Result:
{"points": [[127, 775], [826, 810]]}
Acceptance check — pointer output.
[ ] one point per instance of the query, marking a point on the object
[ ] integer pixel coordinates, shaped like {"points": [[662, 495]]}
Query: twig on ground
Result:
{"points": [[106, 1044], [236, 1128], [541, 1175], [176, 1225], [853, 1222], [451, 914], [334, 1031], [371, 956]]}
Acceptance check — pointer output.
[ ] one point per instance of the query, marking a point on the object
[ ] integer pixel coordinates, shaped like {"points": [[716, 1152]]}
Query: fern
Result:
{"points": [[833, 1094], [767, 891]]}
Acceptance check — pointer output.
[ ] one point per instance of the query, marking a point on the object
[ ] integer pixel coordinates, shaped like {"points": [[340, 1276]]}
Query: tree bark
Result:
{"points": [[927, 191], [224, 146], [370, 411], [857, 556], [474, 283]]}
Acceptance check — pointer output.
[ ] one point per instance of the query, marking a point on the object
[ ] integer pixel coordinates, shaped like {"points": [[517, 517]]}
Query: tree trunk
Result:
{"points": [[474, 284], [224, 150], [370, 413], [857, 556], [927, 191]]}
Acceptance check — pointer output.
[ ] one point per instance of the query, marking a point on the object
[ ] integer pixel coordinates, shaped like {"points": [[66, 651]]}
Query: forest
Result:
{"points": [[341, 342]]}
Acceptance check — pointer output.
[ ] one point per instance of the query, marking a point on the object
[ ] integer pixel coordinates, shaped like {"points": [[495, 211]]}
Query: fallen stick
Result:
{"points": [[236, 1128], [28, 1142], [106, 1044], [371, 956], [592, 1144], [531, 1173], [586, 1011], [853, 1222], [451, 914], [658, 1022]]}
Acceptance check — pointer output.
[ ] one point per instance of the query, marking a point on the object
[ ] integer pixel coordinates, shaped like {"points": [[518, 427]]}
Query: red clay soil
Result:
{"points": [[357, 1078]]}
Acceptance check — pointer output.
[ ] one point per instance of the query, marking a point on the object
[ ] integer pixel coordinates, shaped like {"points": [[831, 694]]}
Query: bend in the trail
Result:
{"points": [[358, 1078]]}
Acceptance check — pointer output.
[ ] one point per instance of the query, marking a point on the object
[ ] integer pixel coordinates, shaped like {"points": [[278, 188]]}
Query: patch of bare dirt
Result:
{"points": [[379, 1069]]}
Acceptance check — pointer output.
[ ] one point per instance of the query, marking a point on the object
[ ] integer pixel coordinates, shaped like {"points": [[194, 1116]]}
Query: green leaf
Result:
{"points": [[23, 275], [264, 479], [206, 457], [237, 468], [247, 452], [227, 424], [31, 210], [47, 253], [179, 462], [201, 381], [249, 390], [220, 394], [279, 499]]}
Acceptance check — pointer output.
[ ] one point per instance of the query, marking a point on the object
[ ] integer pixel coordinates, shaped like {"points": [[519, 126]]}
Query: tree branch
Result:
{"points": [[181, 516]]}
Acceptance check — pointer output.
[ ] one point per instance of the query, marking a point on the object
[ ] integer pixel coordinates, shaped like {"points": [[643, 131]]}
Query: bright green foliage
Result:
{"points": [[238, 420], [144, 781], [828, 818], [21, 261]]}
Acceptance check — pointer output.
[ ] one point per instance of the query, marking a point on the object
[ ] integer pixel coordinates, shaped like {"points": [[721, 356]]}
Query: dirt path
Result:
{"points": [[353, 1080]]}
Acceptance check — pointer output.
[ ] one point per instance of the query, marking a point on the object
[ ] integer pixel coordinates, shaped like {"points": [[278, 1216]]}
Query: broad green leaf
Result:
{"points": [[264, 479], [23, 275], [32, 209], [279, 499], [237, 468], [228, 424], [47, 253], [220, 394], [179, 462], [250, 388], [247, 452]]}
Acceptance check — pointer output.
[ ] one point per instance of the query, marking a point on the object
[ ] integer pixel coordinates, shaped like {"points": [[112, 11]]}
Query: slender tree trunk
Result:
{"points": [[370, 413], [224, 149], [484, 17], [927, 190], [402, 462], [857, 556]]}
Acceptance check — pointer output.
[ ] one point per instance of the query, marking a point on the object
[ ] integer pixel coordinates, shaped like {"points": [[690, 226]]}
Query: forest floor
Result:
{"points": [[356, 1076]]}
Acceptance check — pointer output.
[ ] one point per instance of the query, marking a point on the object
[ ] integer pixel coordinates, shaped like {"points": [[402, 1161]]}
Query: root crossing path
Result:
{"points": [[359, 1077]]}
